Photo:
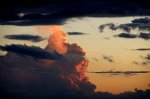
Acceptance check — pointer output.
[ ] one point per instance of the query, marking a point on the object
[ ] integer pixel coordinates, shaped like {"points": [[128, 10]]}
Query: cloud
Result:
{"points": [[145, 36], [27, 37], [143, 63], [76, 33], [47, 12], [110, 25], [145, 20], [142, 49], [32, 51], [108, 58], [127, 73], [147, 57], [141, 24], [126, 35], [60, 69], [146, 60]]}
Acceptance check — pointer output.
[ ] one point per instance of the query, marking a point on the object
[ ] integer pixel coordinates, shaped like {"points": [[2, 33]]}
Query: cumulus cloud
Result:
{"points": [[76, 33], [108, 58], [33, 38], [60, 69]]}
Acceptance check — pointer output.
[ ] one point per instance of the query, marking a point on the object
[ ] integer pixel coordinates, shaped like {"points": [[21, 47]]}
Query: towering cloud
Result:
{"points": [[45, 76]]}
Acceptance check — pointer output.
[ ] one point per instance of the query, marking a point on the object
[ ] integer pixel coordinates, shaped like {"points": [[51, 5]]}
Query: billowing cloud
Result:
{"points": [[76, 33], [47, 76], [33, 38], [108, 58]]}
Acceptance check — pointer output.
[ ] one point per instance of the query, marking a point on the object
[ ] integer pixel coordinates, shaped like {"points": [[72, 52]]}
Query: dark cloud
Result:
{"points": [[126, 73], [109, 25], [141, 24], [32, 51], [33, 38], [76, 33], [108, 58], [145, 20], [126, 35], [142, 49], [51, 10], [145, 36]]}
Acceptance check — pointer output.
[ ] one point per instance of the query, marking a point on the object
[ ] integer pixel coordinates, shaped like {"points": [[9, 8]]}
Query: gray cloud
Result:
{"points": [[127, 73], [126, 35], [144, 36], [76, 33], [33, 38], [142, 49], [32, 51], [141, 24]]}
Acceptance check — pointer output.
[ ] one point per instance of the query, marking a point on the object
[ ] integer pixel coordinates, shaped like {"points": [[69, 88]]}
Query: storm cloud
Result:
{"points": [[42, 12]]}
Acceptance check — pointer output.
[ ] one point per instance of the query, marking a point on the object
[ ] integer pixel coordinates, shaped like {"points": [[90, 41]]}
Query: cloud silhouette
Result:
{"points": [[126, 35], [59, 69], [145, 36], [141, 24], [126, 73], [27, 37], [32, 51], [145, 20], [48, 11], [142, 49], [76, 33]]}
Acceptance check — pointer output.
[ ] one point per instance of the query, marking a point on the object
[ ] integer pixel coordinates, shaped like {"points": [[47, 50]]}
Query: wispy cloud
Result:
{"points": [[108, 58]]}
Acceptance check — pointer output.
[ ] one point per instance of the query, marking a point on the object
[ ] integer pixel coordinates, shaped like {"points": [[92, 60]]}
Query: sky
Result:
{"points": [[92, 47], [104, 51]]}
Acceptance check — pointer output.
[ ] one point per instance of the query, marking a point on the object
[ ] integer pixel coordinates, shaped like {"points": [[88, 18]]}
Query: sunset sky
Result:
{"points": [[89, 49], [104, 51]]}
